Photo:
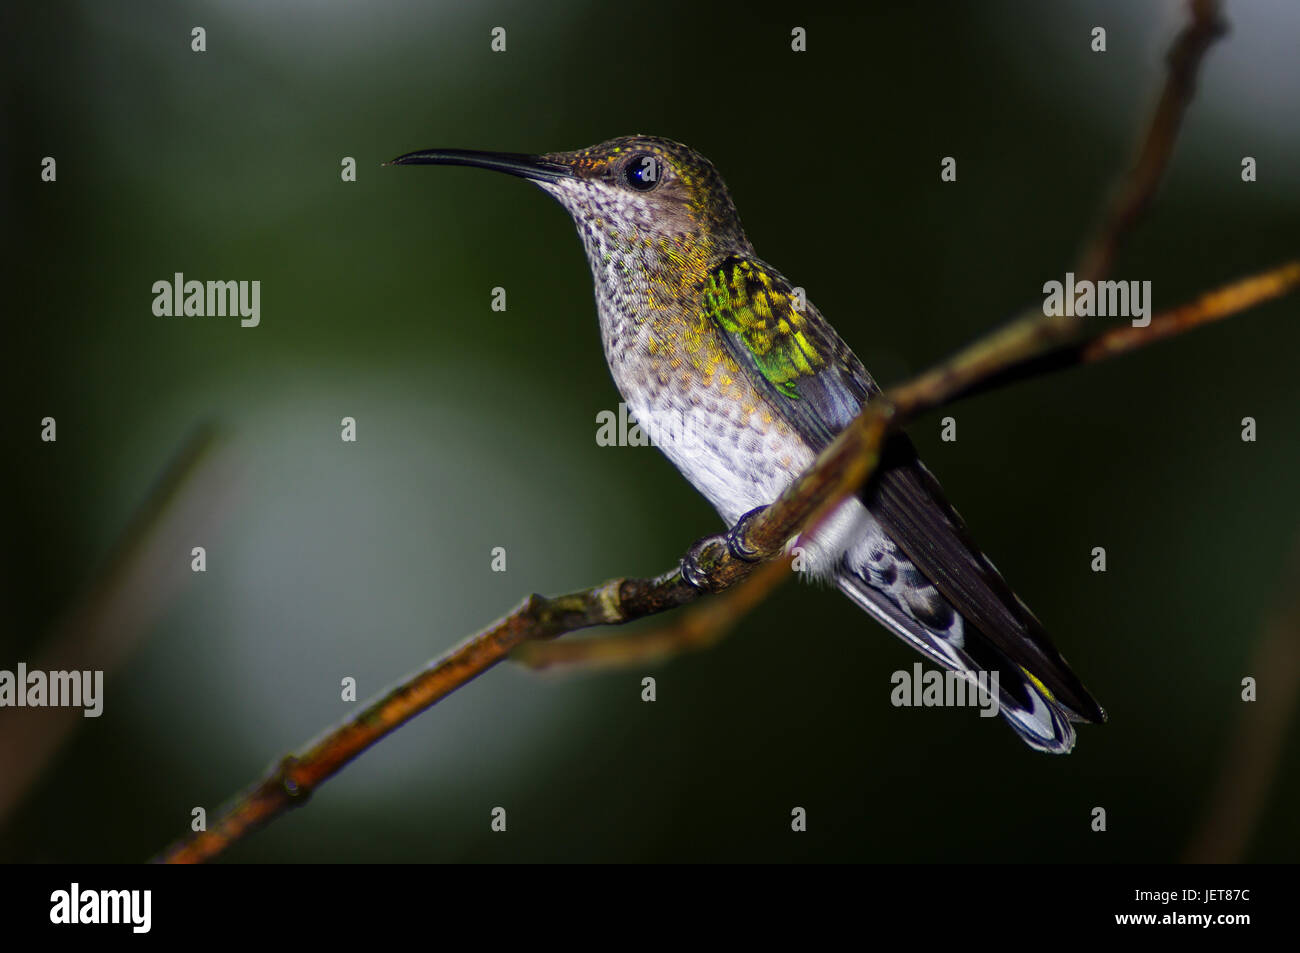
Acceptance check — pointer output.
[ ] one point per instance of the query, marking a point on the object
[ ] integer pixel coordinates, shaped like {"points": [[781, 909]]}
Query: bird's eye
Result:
{"points": [[643, 171]]}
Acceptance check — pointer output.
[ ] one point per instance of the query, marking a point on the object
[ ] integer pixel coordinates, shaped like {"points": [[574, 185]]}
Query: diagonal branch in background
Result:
{"points": [[116, 611], [1138, 188], [1240, 794], [1006, 355], [838, 471]]}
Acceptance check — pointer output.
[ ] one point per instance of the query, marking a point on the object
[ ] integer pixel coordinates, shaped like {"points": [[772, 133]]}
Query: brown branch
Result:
{"points": [[1210, 306], [706, 624], [1205, 25], [844, 465], [702, 626], [1025, 347], [1059, 347], [840, 469]]}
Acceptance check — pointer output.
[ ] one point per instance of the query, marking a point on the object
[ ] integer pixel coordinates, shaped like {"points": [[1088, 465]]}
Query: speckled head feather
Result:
{"points": [[653, 215], [687, 201]]}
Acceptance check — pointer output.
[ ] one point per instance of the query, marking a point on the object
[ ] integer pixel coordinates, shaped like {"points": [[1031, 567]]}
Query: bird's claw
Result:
{"points": [[702, 559], [737, 534]]}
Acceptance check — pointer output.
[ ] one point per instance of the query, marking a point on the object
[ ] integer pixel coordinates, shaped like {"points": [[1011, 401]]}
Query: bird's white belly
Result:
{"points": [[738, 462]]}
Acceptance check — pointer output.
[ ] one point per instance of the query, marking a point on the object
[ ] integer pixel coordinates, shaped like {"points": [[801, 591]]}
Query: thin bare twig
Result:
{"points": [[1138, 188], [700, 627]]}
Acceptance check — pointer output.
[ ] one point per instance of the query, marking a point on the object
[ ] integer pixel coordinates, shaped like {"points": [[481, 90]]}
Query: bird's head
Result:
{"points": [[640, 198]]}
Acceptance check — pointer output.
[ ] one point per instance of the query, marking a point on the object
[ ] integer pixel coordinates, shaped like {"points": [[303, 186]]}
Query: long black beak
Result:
{"points": [[512, 163]]}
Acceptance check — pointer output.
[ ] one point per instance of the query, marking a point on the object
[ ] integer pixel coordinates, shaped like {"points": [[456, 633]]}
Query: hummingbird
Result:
{"points": [[695, 327]]}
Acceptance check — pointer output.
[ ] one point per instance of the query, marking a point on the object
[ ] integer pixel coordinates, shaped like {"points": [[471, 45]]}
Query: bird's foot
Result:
{"points": [[702, 561], [704, 557], [736, 536]]}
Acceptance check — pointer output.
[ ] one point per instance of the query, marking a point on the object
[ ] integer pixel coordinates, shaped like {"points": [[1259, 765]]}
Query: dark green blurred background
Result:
{"points": [[476, 428]]}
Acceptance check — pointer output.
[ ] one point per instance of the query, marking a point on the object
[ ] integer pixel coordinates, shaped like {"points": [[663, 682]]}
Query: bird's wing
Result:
{"points": [[818, 385], [793, 354]]}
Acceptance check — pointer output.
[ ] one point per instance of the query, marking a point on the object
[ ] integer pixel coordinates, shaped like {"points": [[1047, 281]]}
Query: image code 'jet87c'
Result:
{"points": [[695, 325]]}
